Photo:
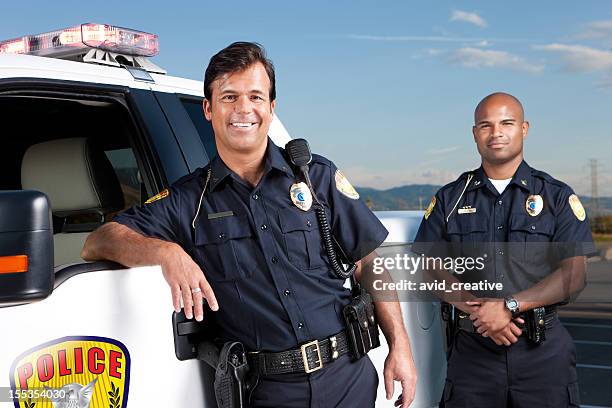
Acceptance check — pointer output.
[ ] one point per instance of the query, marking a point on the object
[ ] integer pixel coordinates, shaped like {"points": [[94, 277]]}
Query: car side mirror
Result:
{"points": [[26, 247]]}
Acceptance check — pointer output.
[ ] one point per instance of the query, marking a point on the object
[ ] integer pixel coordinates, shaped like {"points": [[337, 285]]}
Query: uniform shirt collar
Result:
{"points": [[521, 178], [274, 158]]}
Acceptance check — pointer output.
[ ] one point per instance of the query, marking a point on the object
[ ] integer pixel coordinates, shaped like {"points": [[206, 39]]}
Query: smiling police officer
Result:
{"points": [[507, 348], [240, 234]]}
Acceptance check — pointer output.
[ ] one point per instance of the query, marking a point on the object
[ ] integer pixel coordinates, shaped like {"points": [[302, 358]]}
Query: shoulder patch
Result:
{"points": [[162, 194], [430, 208], [344, 186], [577, 207]]}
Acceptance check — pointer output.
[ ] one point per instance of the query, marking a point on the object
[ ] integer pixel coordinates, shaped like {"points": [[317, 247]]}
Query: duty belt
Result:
{"points": [[464, 322], [309, 357]]}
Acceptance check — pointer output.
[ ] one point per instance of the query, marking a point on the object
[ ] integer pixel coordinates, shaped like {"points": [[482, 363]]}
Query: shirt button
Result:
{"points": [[255, 197], [264, 227], [533, 227], [308, 223], [300, 325], [274, 259], [221, 235], [500, 202], [500, 252], [500, 227], [287, 292]]}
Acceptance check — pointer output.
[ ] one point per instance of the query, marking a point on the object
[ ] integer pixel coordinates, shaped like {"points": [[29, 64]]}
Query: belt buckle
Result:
{"points": [[304, 349]]}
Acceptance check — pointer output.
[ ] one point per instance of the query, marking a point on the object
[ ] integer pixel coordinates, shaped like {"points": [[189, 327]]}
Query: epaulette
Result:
{"points": [[548, 178]]}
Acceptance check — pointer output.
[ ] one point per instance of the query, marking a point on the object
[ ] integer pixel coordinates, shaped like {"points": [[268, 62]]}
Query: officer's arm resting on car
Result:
{"points": [[119, 243]]}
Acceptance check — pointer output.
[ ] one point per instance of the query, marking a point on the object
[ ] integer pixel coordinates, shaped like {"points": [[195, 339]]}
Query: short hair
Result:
{"points": [[236, 57]]}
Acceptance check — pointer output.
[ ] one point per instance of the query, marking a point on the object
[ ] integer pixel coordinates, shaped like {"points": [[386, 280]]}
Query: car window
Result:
{"points": [[194, 110], [125, 166]]}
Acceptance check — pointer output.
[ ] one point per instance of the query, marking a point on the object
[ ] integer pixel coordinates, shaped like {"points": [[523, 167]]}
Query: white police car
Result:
{"points": [[93, 124]]}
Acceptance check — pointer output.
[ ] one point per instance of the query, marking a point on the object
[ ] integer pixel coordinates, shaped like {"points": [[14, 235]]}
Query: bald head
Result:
{"points": [[499, 130], [499, 99]]}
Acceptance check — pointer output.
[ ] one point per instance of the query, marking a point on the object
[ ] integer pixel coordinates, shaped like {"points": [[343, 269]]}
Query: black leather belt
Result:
{"points": [[309, 357], [464, 322]]}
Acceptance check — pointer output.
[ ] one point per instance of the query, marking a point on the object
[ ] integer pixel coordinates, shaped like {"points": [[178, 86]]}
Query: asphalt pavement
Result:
{"points": [[589, 321]]}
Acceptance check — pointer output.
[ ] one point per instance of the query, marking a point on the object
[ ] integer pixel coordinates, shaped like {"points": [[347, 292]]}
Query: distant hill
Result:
{"points": [[418, 196], [411, 197]]}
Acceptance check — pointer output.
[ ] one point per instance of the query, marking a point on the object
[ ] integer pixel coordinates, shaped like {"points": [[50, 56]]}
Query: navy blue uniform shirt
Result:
{"points": [[519, 249], [262, 256]]}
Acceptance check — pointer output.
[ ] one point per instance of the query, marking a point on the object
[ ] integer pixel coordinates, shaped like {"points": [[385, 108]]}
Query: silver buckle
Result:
{"points": [[304, 349]]}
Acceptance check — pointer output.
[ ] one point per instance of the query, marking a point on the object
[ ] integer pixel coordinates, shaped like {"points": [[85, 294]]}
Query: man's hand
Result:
{"points": [[399, 366], [492, 315], [183, 276], [508, 335], [116, 242]]}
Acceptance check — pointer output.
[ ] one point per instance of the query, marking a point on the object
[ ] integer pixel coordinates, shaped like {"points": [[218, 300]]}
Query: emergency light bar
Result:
{"points": [[81, 39]]}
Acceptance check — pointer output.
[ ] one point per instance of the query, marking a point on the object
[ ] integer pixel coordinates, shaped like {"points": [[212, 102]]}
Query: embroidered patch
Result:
{"points": [[162, 194], [430, 208], [345, 187], [577, 207]]}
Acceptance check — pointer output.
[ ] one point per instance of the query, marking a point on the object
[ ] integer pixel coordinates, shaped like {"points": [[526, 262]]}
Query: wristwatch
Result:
{"points": [[513, 306]]}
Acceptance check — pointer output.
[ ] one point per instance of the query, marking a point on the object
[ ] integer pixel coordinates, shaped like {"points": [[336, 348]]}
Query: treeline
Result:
{"points": [[602, 224]]}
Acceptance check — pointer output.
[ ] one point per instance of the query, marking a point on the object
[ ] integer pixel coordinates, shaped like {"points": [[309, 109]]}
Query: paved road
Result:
{"points": [[593, 339], [589, 321]]}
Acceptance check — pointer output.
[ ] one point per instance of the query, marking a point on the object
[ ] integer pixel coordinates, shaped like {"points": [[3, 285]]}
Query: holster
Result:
{"points": [[447, 310], [361, 325], [230, 384], [536, 325]]}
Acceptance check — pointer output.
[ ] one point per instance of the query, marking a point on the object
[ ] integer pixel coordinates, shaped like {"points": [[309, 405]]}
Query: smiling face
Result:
{"points": [[499, 129], [241, 111]]}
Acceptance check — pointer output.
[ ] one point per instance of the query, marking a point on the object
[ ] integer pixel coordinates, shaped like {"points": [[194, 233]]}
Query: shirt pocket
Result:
{"points": [[468, 236], [222, 245], [530, 237], [301, 237]]}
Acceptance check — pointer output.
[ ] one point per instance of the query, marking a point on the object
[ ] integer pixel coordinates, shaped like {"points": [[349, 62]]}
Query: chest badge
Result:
{"points": [[577, 207], [534, 205], [468, 209], [301, 196]]}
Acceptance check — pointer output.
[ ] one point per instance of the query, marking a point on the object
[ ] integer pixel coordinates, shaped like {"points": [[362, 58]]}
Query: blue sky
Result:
{"points": [[387, 89]]}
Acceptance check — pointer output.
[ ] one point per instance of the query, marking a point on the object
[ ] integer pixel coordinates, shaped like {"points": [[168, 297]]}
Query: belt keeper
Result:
{"points": [[333, 344]]}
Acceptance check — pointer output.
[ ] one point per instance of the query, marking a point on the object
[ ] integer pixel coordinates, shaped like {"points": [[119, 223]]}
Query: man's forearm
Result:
{"points": [[118, 243], [566, 281]]}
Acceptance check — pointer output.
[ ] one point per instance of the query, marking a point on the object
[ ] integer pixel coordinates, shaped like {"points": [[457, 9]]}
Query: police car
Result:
{"points": [[90, 127]]}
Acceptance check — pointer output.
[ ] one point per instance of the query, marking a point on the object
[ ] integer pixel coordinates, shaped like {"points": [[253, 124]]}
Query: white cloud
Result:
{"points": [[468, 17], [443, 150], [434, 51], [579, 58], [483, 43], [477, 58], [605, 83], [411, 38], [599, 30], [476, 41]]}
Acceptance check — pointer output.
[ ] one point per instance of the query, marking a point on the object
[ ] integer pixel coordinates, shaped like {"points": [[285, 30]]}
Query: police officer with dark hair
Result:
{"points": [[507, 347], [241, 234]]}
